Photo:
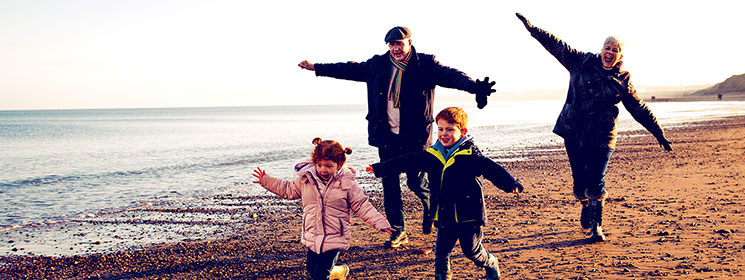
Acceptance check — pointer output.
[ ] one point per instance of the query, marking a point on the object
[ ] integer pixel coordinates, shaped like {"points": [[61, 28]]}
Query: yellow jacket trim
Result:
{"points": [[446, 164]]}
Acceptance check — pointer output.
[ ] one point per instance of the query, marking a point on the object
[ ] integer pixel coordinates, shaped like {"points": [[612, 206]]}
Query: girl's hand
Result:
{"points": [[389, 231], [369, 169], [258, 173]]}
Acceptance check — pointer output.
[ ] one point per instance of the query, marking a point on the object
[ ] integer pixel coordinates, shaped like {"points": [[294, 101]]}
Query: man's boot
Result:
{"points": [[492, 268], [427, 223], [584, 217], [443, 276], [595, 211]]}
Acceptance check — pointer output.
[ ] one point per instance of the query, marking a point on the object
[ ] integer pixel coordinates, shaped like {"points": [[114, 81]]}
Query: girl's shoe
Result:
{"points": [[443, 276], [340, 272]]}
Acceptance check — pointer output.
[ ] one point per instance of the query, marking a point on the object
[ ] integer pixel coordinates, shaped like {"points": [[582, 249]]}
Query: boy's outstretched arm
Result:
{"points": [[410, 162], [495, 173]]}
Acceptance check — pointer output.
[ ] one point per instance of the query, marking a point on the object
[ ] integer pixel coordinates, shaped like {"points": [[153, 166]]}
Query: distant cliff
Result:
{"points": [[732, 85]]}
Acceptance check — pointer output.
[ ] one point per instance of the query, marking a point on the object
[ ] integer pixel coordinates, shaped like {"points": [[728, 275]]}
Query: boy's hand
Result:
{"points": [[258, 173], [389, 231], [369, 169], [518, 187]]}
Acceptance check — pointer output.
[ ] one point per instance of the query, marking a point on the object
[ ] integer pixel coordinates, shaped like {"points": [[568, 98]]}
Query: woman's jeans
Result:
{"points": [[319, 266], [589, 165]]}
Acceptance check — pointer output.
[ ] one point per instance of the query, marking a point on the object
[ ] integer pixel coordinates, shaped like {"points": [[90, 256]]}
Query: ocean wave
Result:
{"points": [[248, 159]]}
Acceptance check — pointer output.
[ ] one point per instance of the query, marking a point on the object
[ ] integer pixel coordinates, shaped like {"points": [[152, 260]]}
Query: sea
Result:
{"points": [[59, 165]]}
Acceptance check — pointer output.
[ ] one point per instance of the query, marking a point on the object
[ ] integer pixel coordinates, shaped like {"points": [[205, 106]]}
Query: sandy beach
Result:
{"points": [[670, 215]]}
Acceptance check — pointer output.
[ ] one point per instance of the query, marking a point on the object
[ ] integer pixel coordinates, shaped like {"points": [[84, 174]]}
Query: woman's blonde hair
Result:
{"points": [[615, 40]]}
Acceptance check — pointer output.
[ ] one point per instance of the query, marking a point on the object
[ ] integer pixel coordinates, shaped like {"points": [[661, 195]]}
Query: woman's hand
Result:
{"points": [[258, 173], [524, 20]]}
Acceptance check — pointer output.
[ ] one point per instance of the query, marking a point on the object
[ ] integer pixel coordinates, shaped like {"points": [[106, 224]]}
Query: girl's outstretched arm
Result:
{"points": [[259, 174], [282, 188]]}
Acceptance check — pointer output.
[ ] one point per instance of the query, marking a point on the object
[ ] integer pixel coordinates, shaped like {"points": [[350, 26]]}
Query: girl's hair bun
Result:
{"points": [[348, 150], [317, 140]]}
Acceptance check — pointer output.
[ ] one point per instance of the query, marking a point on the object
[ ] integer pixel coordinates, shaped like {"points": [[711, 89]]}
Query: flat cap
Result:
{"points": [[397, 33]]}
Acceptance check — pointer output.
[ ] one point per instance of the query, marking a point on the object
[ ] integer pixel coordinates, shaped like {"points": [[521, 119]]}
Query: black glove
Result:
{"points": [[665, 143], [524, 20], [482, 89]]}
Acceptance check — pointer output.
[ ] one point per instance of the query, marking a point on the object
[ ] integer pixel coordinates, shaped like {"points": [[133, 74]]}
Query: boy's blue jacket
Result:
{"points": [[455, 185]]}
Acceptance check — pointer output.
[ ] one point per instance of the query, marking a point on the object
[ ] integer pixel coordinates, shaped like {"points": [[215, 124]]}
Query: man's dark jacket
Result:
{"points": [[455, 183], [422, 74]]}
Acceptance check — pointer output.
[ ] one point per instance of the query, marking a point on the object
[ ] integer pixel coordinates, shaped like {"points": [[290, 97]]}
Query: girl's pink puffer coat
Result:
{"points": [[326, 218]]}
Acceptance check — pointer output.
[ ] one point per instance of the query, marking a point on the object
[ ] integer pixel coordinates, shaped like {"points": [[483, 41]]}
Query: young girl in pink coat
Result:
{"points": [[329, 194]]}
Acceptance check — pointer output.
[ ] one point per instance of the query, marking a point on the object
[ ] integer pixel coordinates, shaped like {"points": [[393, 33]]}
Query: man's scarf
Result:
{"points": [[399, 68]]}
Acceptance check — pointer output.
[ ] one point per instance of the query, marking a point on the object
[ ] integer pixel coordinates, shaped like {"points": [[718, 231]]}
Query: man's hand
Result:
{"points": [[664, 143], [307, 65], [483, 89], [525, 21]]}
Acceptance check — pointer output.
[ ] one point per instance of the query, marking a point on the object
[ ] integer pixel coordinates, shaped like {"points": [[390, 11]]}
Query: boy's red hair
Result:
{"points": [[454, 115]]}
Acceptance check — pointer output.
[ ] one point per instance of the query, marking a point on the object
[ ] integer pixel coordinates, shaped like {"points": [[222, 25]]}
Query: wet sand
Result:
{"points": [[670, 215]]}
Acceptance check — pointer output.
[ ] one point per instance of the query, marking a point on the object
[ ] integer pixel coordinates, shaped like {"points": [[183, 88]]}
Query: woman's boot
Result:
{"points": [[595, 211]]}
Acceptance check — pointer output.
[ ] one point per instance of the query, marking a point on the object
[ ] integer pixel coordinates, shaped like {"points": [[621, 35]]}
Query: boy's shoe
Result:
{"points": [[397, 240], [340, 272], [492, 270], [443, 276]]}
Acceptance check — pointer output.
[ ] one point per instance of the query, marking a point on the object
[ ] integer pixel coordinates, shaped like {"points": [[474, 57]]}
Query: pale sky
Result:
{"points": [[151, 53]]}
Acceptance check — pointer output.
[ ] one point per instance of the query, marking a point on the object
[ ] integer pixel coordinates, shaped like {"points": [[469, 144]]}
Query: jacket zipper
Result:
{"points": [[323, 213]]}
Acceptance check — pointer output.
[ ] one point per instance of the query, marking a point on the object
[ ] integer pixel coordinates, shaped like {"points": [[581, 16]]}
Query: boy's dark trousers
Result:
{"points": [[470, 242], [416, 182], [319, 266]]}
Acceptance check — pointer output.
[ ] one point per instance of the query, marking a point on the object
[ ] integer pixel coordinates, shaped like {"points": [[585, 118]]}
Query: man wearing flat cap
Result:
{"points": [[400, 92]]}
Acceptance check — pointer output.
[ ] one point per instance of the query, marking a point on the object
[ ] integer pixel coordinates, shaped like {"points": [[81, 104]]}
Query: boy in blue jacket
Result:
{"points": [[454, 165]]}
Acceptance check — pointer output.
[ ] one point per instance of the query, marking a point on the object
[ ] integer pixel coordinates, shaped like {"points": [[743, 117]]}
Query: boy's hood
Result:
{"points": [[445, 152]]}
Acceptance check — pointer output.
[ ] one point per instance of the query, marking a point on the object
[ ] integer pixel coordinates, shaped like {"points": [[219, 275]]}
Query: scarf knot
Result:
{"points": [[398, 71]]}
